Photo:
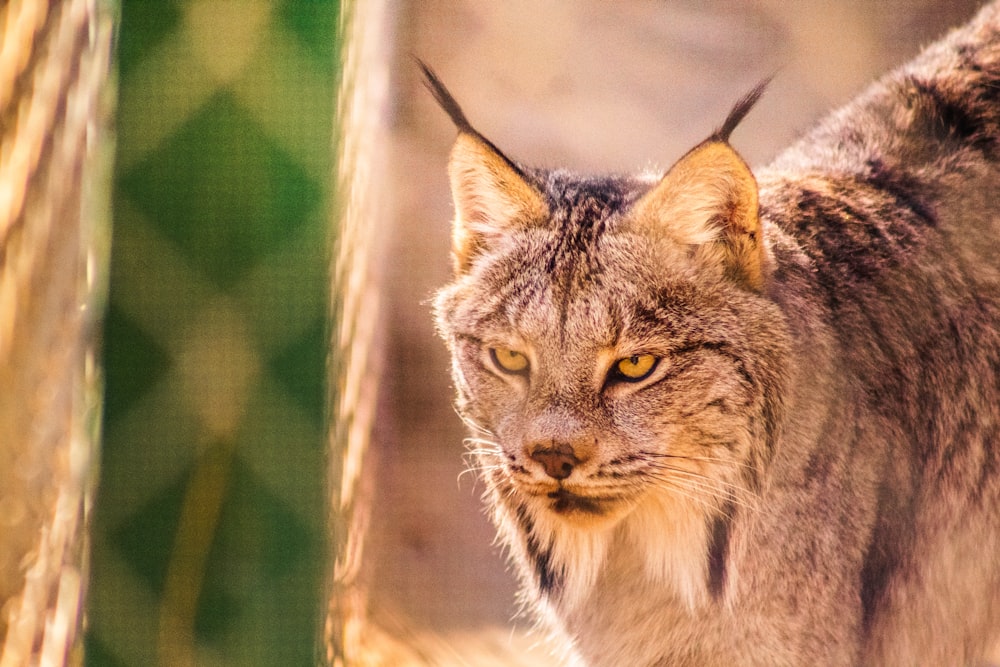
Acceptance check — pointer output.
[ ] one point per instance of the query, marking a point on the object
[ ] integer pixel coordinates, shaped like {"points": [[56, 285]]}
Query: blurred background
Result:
{"points": [[210, 541]]}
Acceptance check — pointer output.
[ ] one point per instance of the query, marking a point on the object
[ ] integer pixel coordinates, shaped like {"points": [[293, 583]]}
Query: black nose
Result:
{"points": [[558, 460]]}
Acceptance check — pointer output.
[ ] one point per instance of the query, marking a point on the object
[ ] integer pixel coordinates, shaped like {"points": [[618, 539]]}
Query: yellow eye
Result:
{"points": [[509, 361], [635, 368]]}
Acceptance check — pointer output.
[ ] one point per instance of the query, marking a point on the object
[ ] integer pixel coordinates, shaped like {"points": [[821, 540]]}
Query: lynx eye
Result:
{"points": [[635, 368], [508, 360]]}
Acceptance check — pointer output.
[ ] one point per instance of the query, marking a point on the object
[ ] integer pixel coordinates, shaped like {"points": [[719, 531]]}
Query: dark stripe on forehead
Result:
{"points": [[574, 259], [581, 210], [579, 227], [524, 288], [513, 282]]}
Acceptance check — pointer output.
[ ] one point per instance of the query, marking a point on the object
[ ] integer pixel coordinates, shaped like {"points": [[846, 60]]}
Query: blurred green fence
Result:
{"points": [[208, 543]]}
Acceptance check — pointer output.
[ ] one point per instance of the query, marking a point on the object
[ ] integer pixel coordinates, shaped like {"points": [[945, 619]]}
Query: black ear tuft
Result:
{"points": [[454, 111], [740, 110], [445, 99]]}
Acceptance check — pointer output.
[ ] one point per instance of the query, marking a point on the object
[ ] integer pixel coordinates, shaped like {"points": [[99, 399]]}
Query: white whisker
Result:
{"points": [[707, 459], [473, 426], [691, 474], [705, 487]]}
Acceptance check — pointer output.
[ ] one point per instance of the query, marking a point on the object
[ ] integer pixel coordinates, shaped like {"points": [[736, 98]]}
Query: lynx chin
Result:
{"points": [[729, 417]]}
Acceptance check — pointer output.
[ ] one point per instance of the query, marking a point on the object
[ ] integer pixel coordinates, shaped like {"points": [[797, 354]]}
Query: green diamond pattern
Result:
{"points": [[299, 368], [312, 22], [142, 541], [131, 369], [223, 191], [98, 653], [215, 341], [149, 24]]}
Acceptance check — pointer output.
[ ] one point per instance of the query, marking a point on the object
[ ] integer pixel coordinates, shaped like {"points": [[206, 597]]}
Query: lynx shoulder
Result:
{"points": [[737, 418]]}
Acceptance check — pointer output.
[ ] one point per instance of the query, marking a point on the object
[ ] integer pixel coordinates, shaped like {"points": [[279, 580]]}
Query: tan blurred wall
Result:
{"points": [[592, 85]]}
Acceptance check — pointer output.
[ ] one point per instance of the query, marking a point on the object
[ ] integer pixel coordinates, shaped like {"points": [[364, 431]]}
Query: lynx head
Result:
{"points": [[615, 354]]}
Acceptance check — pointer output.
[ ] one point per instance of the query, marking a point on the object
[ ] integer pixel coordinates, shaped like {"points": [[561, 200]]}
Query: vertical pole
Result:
{"points": [[54, 230], [354, 369]]}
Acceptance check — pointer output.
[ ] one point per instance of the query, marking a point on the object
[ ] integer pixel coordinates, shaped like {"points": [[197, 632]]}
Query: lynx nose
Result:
{"points": [[558, 460]]}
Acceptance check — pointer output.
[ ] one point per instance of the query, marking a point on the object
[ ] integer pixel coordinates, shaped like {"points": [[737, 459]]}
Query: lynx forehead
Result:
{"points": [[728, 418]]}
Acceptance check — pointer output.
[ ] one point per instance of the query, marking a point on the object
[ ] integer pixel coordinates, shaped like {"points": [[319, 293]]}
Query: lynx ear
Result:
{"points": [[708, 200], [492, 196]]}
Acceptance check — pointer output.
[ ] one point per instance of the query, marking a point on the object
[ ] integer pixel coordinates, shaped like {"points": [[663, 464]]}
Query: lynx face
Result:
{"points": [[602, 373]]}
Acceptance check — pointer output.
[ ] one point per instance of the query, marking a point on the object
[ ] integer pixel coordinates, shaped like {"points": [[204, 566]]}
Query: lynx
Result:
{"points": [[732, 417]]}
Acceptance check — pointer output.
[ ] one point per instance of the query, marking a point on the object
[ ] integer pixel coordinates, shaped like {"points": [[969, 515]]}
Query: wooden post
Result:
{"points": [[358, 218], [54, 193]]}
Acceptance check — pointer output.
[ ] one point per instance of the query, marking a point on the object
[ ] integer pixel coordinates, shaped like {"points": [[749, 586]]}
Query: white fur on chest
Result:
{"points": [[647, 590], [661, 547]]}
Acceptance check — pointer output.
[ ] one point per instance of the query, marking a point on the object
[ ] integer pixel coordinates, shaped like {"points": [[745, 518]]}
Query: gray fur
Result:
{"points": [[811, 475]]}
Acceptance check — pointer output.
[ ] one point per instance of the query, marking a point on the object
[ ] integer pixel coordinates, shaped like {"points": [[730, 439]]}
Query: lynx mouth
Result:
{"points": [[566, 502]]}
